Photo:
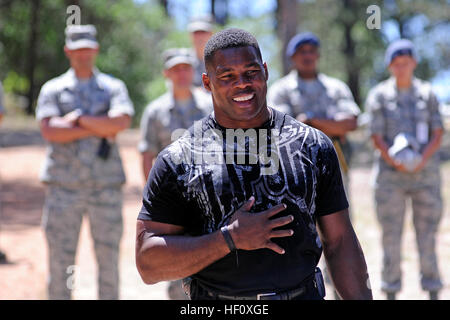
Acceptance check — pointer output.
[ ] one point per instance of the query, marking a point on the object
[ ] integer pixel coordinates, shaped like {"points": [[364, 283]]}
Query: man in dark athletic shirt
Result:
{"points": [[233, 204]]}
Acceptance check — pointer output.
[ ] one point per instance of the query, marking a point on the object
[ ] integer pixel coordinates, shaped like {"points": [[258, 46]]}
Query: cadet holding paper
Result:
{"points": [[406, 129]]}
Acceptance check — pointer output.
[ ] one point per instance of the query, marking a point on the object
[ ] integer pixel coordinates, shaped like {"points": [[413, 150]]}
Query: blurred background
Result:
{"points": [[132, 35]]}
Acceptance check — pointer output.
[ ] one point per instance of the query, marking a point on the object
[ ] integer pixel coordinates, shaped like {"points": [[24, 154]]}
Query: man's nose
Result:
{"points": [[242, 81]]}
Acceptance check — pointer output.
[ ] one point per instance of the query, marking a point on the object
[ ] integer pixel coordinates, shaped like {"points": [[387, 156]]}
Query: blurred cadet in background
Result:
{"points": [[178, 108], [80, 113], [3, 258], [2, 108], [200, 29], [317, 100], [406, 129]]}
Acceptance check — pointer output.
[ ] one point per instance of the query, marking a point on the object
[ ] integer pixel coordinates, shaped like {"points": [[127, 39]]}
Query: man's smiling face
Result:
{"points": [[237, 79]]}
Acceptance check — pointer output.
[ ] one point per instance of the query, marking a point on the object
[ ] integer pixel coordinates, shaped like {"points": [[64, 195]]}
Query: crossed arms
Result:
{"points": [[72, 127]]}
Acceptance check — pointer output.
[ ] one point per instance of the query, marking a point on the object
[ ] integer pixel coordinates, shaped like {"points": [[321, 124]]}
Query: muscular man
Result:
{"points": [[247, 219]]}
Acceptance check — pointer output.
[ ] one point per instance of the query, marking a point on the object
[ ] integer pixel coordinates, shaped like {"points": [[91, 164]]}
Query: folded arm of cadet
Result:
{"points": [[344, 256], [55, 129], [333, 128], [105, 126]]}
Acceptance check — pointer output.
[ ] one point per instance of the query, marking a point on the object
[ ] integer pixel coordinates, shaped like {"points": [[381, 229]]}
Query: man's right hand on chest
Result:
{"points": [[251, 231]]}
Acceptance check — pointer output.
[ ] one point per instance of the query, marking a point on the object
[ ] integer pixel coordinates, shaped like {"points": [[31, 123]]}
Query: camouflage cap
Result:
{"points": [[175, 56], [81, 36], [399, 48], [300, 39], [204, 23]]}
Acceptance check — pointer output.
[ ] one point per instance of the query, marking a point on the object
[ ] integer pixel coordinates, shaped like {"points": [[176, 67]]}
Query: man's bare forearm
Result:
{"points": [[348, 268], [170, 257], [103, 125]]}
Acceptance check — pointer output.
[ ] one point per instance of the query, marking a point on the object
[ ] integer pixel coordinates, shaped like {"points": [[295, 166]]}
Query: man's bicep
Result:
{"points": [[153, 228], [333, 226]]}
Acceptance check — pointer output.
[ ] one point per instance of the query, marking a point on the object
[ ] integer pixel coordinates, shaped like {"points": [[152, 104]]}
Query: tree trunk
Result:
{"points": [[32, 51], [219, 10], [351, 65], [286, 26]]}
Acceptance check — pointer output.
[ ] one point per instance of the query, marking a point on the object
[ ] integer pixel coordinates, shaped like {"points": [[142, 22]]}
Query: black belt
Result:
{"points": [[284, 295]]}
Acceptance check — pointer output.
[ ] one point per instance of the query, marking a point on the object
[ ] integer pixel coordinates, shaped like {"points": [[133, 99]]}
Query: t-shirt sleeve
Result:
{"points": [[162, 201], [331, 196]]}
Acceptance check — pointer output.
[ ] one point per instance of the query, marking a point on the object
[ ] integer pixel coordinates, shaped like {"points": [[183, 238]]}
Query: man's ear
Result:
{"points": [[266, 71], [206, 82], [66, 52]]}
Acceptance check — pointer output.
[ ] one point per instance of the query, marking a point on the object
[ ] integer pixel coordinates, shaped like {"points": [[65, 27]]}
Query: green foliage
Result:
{"points": [[133, 34]]}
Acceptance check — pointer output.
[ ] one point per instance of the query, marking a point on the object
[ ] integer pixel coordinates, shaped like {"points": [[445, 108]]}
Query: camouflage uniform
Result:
{"points": [[164, 115], [199, 69], [414, 112], [325, 97], [80, 182], [2, 109]]}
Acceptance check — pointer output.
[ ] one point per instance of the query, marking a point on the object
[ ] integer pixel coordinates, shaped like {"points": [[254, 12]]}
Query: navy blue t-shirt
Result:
{"points": [[202, 178]]}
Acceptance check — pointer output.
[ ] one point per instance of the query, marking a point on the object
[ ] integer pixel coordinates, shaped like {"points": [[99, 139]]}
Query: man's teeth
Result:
{"points": [[244, 98]]}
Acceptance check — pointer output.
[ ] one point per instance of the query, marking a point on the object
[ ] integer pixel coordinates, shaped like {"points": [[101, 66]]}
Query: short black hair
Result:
{"points": [[229, 38]]}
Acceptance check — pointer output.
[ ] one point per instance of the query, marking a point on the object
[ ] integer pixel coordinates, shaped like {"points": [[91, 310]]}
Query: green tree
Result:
{"points": [[130, 35]]}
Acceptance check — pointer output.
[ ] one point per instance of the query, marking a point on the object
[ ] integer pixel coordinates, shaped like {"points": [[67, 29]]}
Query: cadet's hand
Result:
{"points": [[59, 122], [73, 116], [251, 231], [421, 165], [397, 165]]}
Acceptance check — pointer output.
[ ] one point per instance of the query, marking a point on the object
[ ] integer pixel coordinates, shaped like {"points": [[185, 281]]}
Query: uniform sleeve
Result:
{"points": [[346, 103], [148, 140], [331, 196], [436, 118], [278, 99], [162, 201], [376, 118], [120, 103], [47, 104], [2, 109]]}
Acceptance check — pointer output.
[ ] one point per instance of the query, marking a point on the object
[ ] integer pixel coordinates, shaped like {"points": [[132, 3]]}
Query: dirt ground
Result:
{"points": [[22, 239]]}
